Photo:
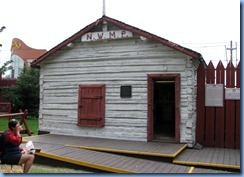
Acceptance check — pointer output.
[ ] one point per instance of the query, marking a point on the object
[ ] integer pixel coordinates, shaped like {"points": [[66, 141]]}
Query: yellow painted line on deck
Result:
{"points": [[180, 150], [82, 163], [191, 170], [206, 164], [128, 152]]}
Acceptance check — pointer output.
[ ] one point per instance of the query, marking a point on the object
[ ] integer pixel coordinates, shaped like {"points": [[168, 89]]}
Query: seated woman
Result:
{"points": [[12, 153]]}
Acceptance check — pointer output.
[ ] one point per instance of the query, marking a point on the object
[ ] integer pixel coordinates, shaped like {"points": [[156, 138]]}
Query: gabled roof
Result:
{"points": [[189, 52]]}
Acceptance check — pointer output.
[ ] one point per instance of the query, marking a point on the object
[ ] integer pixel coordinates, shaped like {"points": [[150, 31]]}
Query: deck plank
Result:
{"points": [[237, 157], [134, 165], [129, 163], [220, 159], [176, 169], [215, 156], [212, 157], [232, 157], [183, 169], [150, 167], [184, 156]]}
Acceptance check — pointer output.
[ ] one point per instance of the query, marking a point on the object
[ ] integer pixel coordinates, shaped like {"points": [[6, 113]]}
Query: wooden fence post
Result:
{"points": [[220, 111], [238, 117], [23, 120], [210, 111], [230, 108]]}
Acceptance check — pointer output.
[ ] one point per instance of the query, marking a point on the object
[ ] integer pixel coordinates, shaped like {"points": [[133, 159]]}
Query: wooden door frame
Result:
{"points": [[150, 103]]}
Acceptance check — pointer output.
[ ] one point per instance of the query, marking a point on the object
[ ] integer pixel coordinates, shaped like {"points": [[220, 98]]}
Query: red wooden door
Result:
{"points": [[91, 105]]}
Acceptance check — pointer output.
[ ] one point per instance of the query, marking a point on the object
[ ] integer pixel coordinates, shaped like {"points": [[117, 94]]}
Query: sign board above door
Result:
{"points": [[106, 35]]}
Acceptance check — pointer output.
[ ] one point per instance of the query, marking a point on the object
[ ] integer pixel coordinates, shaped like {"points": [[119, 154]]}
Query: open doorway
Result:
{"points": [[164, 111], [163, 107]]}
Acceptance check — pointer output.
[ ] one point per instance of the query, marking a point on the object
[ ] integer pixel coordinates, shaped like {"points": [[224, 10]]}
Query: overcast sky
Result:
{"points": [[206, 26]]}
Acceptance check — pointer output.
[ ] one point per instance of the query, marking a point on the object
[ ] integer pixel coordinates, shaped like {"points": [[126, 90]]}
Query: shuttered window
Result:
{"points": [[91, 105]]}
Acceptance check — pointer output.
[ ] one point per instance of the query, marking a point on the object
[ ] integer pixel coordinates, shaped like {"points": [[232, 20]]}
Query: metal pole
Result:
{"points": [[236, 55], [104, 8], [231, 49]]}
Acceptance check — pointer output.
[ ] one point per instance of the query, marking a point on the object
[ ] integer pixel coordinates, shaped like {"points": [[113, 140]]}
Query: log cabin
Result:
{"points": [[113, 80]]}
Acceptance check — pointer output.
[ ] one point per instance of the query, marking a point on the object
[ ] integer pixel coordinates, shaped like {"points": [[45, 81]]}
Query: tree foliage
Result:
{"points": [[25, 93], [6, 66]]}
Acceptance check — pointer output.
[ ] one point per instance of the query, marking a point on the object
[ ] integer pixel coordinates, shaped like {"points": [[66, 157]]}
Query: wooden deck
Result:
{"points": [[93, 153], [109, 145], [106, 161], [210, 157]]}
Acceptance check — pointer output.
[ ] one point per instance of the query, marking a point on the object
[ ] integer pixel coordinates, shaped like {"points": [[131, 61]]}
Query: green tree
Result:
{"points": [[6, 66], [25, 93]]}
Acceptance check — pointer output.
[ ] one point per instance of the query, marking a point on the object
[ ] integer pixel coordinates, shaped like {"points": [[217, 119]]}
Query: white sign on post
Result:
{"points": [[214, 95], [232, 93], [104, 35]]}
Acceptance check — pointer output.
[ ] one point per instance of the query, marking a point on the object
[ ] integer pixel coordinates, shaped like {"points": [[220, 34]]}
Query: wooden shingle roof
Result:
{"points": [[155, 38]]}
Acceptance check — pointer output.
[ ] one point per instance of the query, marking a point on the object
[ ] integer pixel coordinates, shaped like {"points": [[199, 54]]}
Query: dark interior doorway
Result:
{"points": [[164, 110]]}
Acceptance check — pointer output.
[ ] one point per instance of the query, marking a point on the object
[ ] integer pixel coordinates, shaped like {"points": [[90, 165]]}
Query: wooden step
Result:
{"points": [[5, 168]]}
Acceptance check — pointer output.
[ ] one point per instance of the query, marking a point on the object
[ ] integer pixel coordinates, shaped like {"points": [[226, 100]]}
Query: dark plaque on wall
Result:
{"points": [[125, 91]]}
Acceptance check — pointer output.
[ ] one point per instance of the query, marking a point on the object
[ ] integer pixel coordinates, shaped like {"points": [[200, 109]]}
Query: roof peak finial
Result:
{"points": [[104, 8]]}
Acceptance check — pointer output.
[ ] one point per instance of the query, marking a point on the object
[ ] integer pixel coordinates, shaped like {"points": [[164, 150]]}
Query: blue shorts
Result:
{"points": [[12, 159]]}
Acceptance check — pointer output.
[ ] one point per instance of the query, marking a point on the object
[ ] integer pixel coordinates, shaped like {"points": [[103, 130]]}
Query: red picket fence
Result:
{"points": [[5, 83], [218, 126]]}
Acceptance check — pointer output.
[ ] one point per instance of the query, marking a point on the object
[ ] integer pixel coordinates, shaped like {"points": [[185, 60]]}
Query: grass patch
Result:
{"points": [[31, 122], [46, 165], [37, 168]]}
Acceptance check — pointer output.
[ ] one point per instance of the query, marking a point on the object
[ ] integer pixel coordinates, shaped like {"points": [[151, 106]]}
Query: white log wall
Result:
{"points": [[113, 63]]}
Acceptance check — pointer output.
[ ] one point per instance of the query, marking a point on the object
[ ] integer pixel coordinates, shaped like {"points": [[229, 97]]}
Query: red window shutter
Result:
{"points": [[91, 105]]}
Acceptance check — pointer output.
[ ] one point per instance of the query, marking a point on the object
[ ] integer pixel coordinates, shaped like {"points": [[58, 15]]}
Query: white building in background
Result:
{"points": [[18, 65], [22, 55]]}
